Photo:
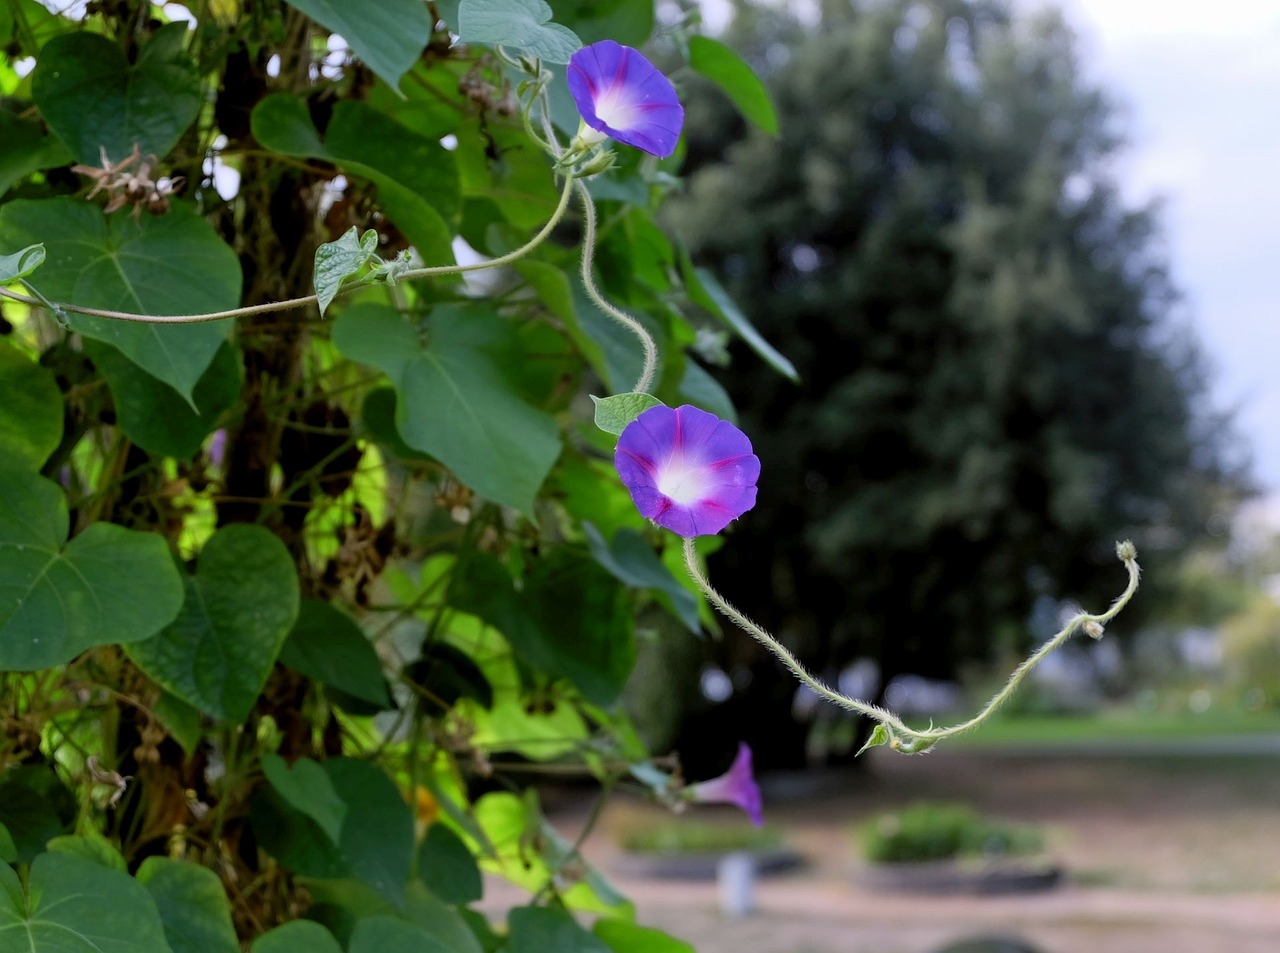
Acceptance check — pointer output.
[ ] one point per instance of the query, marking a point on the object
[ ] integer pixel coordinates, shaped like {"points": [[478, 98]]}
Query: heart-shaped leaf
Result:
{"points": [[73, 905], [614, 413], [193, 906], [109, 584], [519, 24], [173, 264], [327, 645], [294, 936], [239, 607], [417, 178], [388, 35], [306, 787], [95, 100], [31, 412], [455, 401]]}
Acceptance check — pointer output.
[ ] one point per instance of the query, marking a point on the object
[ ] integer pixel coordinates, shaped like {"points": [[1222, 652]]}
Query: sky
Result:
{"points": [[1198, 85]]}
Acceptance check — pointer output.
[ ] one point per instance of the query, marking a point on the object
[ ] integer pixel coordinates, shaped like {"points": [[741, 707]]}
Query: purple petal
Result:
{"points": [[623, 95], [736, 786], [687, 470]]}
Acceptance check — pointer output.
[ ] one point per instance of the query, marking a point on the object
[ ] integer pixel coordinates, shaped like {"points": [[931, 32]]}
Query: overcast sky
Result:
{"points": [[1201, 82]]}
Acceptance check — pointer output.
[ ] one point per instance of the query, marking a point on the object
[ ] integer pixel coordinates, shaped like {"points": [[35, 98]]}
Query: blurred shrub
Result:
{"points": [[1251, 648], [940, 832]]}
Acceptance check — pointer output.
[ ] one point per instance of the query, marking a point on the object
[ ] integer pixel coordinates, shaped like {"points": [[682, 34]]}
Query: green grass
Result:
{"points": [[1118, 726]]}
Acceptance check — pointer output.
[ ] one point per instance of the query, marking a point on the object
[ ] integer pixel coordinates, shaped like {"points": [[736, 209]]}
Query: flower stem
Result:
{"points": [[901, 737], [59, 308], [645, 381]]}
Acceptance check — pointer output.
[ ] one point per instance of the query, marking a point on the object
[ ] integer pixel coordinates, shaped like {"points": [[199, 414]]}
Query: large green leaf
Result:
{"points": [[239, 607], [387, 35], [193, 906], [326, 644], [91, 846], [26, 149], [375, 845], [439, 920], [417, 178], [540, 929], [455, 401], [308, 790], [31, 412], [523, 25], [172, 264], [92, 97], [383, 934], [154, 415], [299, 935], [34, 808], [625, 21], [716, 62], [448, 867], [109, 584], [73, 905]]}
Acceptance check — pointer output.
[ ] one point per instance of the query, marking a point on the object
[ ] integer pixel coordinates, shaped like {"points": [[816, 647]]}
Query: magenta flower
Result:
{"points": [[621, 94], [687, 470], [736, 786]]}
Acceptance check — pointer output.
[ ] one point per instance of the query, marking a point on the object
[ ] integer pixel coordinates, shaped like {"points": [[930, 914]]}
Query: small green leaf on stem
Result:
{"points": [[21, 263], [340, 260], [879, 736], [614, 413]]}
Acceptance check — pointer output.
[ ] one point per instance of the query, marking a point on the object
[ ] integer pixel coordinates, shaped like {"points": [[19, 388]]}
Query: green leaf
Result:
{"points": [[633, 562], [417, 178], [299, 935], [154, 415], [447, 866], [519, 24], [193, 906], [8, 849], [540, 929], [73, 905], [623, 937], [614, 413], [586, 619], [376, 842], [444, 674], [383, 934], [239, 608], [387, 35], [879, 736], [705, 291], [629, 22], [455, 401], [31, 412], [93, 99], [92, 846], [181, 720], [109, 584], [308, 789], [325, 644], [340, 260], [702, 390], [34, 808], [438, 920], [716, 62], [21, 263], [26, 149], [171, 264]]}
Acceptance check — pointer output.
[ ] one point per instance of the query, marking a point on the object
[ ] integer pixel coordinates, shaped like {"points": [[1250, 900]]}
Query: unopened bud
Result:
{"points": [[1127, 551]]}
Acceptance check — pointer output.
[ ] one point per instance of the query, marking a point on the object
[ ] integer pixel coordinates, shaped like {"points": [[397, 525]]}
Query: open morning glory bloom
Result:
{"points": [[622, 95], [687, 470], [736, 786]]}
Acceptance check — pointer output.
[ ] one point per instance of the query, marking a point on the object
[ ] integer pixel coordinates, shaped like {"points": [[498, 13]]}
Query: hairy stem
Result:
{"points": [[901, 737]]}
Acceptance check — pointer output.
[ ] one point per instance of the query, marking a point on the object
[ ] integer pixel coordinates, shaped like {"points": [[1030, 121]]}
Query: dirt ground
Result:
{"points": [[1164, 854]]}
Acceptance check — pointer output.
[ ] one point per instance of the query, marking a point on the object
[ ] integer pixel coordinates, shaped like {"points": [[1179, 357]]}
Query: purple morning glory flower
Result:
{"points": [[622, 94], [736, 786], [687, 470]]}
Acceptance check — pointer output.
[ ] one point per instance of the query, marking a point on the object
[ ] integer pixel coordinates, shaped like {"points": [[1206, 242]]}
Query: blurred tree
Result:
{"points": [[994, 390]]}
